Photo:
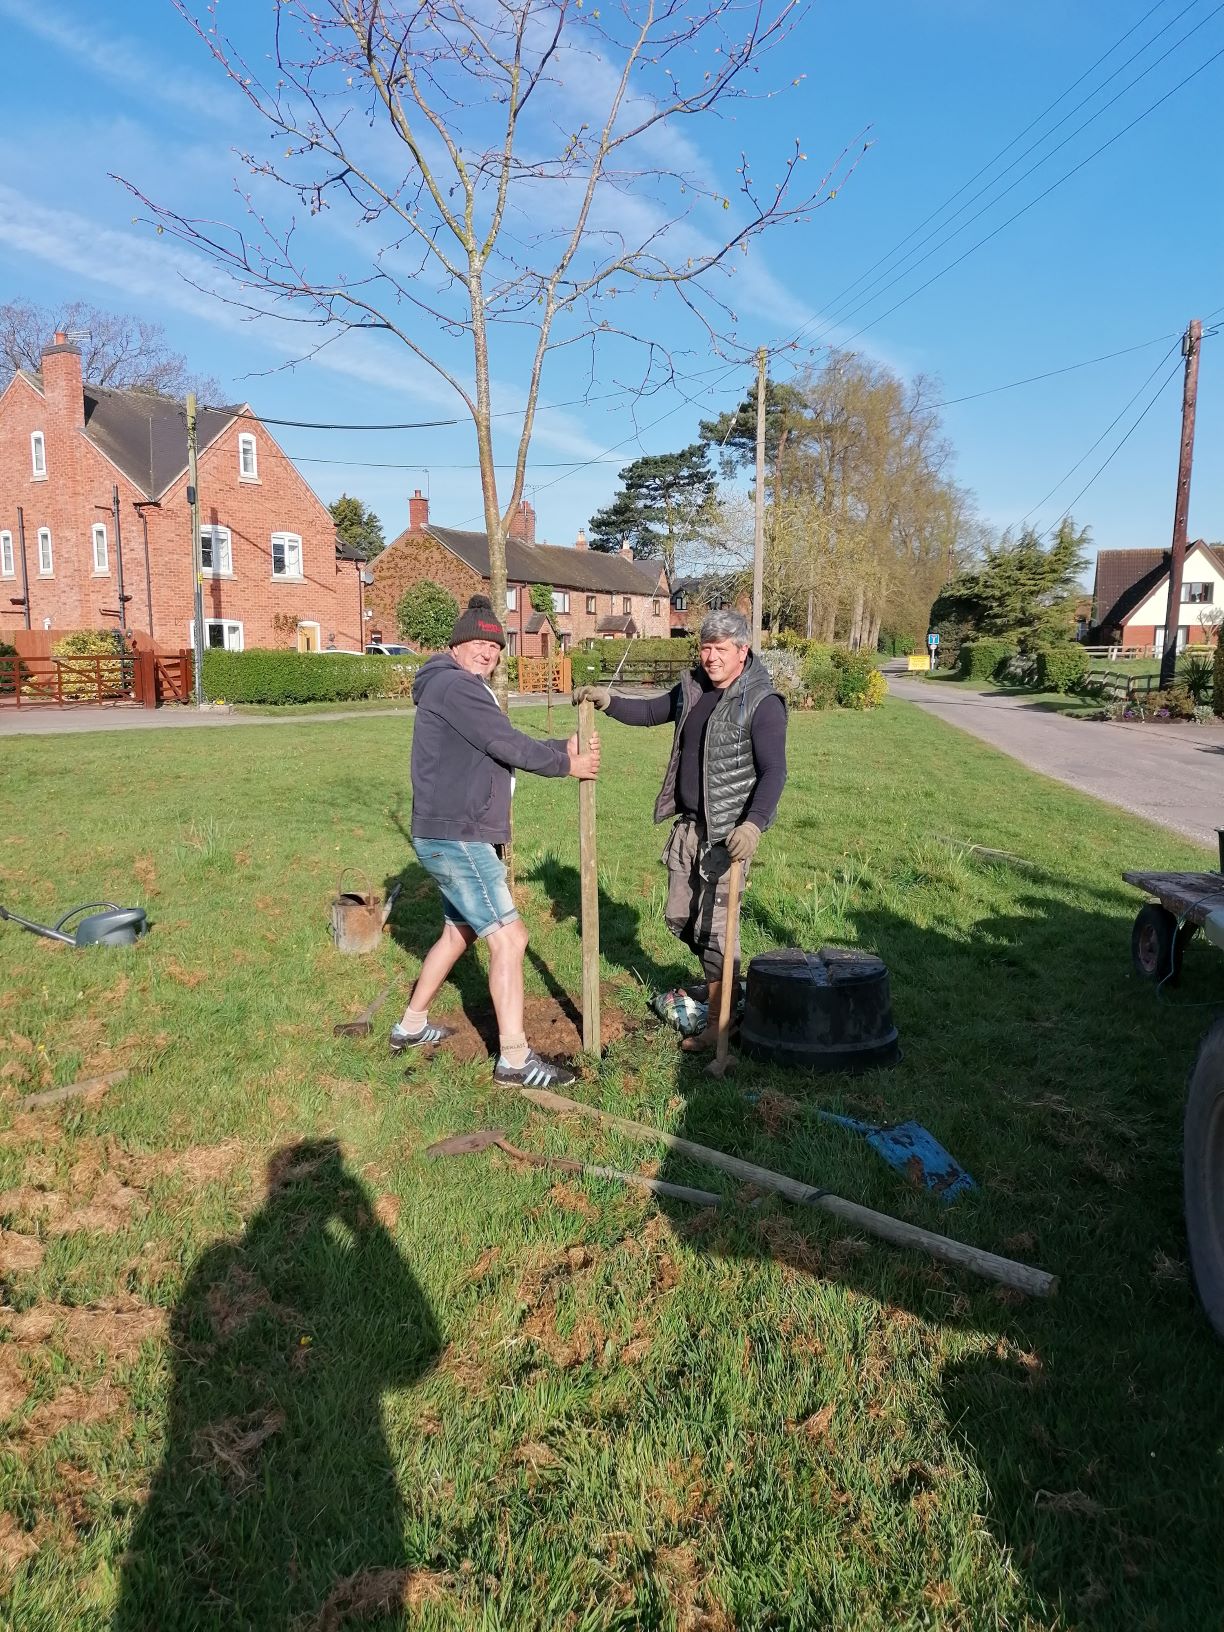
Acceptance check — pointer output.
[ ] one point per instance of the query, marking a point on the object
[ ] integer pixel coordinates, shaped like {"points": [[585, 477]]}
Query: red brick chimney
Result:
{"points": [[580, 543], [523, 523], [61, 377], [418, 513]]}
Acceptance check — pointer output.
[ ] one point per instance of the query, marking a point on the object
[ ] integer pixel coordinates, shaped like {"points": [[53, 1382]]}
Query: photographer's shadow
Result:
{"points": [[277, 1482]]}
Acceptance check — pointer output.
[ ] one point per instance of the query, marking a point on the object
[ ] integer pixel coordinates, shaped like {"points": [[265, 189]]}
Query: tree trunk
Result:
{"points": [[856, 619], [811, 612]]}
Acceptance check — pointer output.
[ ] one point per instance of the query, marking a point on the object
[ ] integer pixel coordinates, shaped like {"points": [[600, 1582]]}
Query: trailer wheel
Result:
{"points": [[1203, 1174], [1157, 945]]}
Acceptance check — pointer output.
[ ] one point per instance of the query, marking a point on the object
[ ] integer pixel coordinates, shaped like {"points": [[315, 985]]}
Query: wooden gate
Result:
{"points": [[533, 673]]}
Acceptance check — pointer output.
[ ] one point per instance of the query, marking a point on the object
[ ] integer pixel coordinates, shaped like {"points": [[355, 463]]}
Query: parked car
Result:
{"points": [[381, 649]]}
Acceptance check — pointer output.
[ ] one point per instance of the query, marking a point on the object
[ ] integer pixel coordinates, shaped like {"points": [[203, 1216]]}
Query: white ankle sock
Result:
{"points": [[414, 1020], [514, 1051]]}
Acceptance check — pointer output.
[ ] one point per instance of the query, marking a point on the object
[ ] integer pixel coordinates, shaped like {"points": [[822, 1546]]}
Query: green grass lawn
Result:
{"points": [[265, 1365]]}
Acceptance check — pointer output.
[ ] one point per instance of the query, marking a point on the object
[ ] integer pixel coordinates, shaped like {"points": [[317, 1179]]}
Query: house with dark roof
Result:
{"points": [[1131, 597], [693, 597], [95, 524], [596, 595]]}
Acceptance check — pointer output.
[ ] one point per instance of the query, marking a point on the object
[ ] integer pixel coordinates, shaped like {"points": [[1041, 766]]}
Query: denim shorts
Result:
{"points": [[472, 879]]}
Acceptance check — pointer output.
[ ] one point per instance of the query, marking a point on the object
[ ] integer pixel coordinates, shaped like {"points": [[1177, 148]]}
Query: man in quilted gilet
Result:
{"points": [[722, 785]]}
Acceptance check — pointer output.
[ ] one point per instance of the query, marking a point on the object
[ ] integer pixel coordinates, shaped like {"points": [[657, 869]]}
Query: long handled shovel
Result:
{"points": [[721, 1062], [466, 1144]]}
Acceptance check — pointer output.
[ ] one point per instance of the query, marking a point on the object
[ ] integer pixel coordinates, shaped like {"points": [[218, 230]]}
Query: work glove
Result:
{"points": [[742, 842], [601, 696]]}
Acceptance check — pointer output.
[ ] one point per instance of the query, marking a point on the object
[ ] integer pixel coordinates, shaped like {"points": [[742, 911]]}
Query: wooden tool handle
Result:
{"points": [[589, 874], [729, 957], [894, 1230]]}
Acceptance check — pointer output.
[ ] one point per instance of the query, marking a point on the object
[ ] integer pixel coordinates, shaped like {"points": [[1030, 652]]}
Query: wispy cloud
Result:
{"points": [[119, 59]]}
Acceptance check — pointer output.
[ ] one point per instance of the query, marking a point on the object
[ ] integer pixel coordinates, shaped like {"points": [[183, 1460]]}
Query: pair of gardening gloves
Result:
{"points": [[741, 842]]}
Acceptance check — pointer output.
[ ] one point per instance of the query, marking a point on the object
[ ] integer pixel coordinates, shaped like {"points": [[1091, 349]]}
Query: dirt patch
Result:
{"points": [[28, 1201], [682, 1579], [231, 1446], [776, 1111], [373, 1593], [553, 1027], [387, 1211], [568, 1199], [782, 1242], [19, 1254], [14, 1387], [144, 870], [16, 1545], [109, 1210], [202, 1164], [235, 1302], [114, 1329], [70, 1408]]}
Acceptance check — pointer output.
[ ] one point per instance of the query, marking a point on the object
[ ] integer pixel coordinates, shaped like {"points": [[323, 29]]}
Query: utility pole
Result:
{"points": [[197, 569], [25, 572], [123, 598], [1192, 342], [758, 541]]}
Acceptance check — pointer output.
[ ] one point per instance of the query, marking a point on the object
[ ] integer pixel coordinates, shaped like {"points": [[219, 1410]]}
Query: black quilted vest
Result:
{"points": [[728, 770]]}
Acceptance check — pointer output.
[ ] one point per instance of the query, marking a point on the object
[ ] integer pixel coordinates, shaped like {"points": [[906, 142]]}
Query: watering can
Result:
{"points": [[113, 926], [358, 916]]}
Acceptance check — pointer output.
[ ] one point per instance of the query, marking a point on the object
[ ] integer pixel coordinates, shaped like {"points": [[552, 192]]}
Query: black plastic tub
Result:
{"points": [[819, 1011]]}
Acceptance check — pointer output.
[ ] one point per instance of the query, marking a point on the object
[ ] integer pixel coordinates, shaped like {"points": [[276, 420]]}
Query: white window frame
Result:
{"points": [[560, 600], [591, 606], [38, 456], [8, 564], [511, 600], [285, 540], [246, 442], [101, 563], [232, 627], [656, 608], [626, 606], [215, 535], [48, 571]]}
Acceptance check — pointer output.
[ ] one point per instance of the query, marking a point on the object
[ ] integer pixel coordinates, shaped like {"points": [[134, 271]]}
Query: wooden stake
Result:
{"points": [[893, 1230], [74, 1090], [592, 1036]]}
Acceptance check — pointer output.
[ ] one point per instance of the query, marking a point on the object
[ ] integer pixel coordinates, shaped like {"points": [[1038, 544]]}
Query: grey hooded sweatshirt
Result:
{"points": [[463, 750]]}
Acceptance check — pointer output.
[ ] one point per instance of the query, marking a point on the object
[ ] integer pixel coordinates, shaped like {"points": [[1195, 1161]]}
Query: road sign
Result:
{"points": [[932, 639]]}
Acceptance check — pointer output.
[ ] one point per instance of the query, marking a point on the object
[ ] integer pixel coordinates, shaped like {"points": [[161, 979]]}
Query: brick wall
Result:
{"points": [[409, 560], [77, 493]]}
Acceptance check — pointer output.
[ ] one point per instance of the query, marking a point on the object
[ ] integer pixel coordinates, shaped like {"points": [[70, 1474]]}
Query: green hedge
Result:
{"points": [[1061, 668], [1217, 698], [982, 659], [259, 676]]}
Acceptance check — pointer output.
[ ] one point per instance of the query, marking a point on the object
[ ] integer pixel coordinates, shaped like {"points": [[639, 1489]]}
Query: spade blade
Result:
{"points": [[465, 1144]]}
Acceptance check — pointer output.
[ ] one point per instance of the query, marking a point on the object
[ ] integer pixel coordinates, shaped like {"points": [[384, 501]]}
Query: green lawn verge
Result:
{"points": [[553, 1404]]}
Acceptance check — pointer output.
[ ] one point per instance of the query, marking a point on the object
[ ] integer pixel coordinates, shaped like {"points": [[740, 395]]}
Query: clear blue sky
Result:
{"points": [[1126, 250]]}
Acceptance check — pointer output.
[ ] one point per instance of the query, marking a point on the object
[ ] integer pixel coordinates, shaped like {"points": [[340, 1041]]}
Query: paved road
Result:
{"points": [[1172, 774]]}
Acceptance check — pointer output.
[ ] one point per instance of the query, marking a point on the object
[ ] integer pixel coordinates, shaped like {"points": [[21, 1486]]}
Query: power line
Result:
{"points": [[498, 464], [946, 237], [1123, 410], [905, 299], [1070, 368], [1126, 438], [990, 163]]}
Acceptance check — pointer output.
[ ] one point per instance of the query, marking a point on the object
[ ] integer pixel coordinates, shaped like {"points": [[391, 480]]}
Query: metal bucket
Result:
{"points": [[821, 1011], [358, 916]]}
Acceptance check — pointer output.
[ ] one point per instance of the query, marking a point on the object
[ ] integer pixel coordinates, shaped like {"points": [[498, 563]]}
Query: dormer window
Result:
{"points": [[38, 456], [248, 459]]}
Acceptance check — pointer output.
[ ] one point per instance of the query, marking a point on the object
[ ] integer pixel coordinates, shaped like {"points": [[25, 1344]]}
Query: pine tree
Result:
{"points": [[358, 526], [664, 499]]}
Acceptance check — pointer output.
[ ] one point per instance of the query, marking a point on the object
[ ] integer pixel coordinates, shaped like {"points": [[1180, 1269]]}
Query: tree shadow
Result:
{"points": [[1096, 1419], [620, 925], [277, 1482]]}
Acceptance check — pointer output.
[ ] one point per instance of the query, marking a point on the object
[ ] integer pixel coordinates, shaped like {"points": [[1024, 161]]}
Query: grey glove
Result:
{"points": [[742, 842], [601, 696]]}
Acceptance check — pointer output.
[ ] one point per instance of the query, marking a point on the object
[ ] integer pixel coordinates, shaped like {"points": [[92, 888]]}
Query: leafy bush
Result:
{"points": [[541, 598], [1061, 668], [854, 671], [952, 636], [512, 673], [1175, 704], [877, 689], [9, 672], [897, 644], [426, 614], [983, 659], [266, 676], [82, 680], [585, 667], [1197, 675], [1217, 673], [820, 679]]}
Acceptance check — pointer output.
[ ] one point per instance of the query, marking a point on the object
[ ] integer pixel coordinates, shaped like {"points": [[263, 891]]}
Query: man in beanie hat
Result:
{"points": [[464, 751]]}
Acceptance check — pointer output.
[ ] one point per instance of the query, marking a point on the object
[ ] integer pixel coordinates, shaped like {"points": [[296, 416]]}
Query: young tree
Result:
{"points": [[358, 526], [664, 500], [1022, 591], [426, 614], [520, 165], [125, 353]]}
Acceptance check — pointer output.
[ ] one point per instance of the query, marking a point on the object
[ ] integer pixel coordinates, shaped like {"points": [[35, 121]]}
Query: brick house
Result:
{"points": [[1131, 596], [692, 598], [273, 572], [596, 595]]}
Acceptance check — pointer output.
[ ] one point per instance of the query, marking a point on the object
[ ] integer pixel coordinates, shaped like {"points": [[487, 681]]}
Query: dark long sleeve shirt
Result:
{"points": [[768, 739]]}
